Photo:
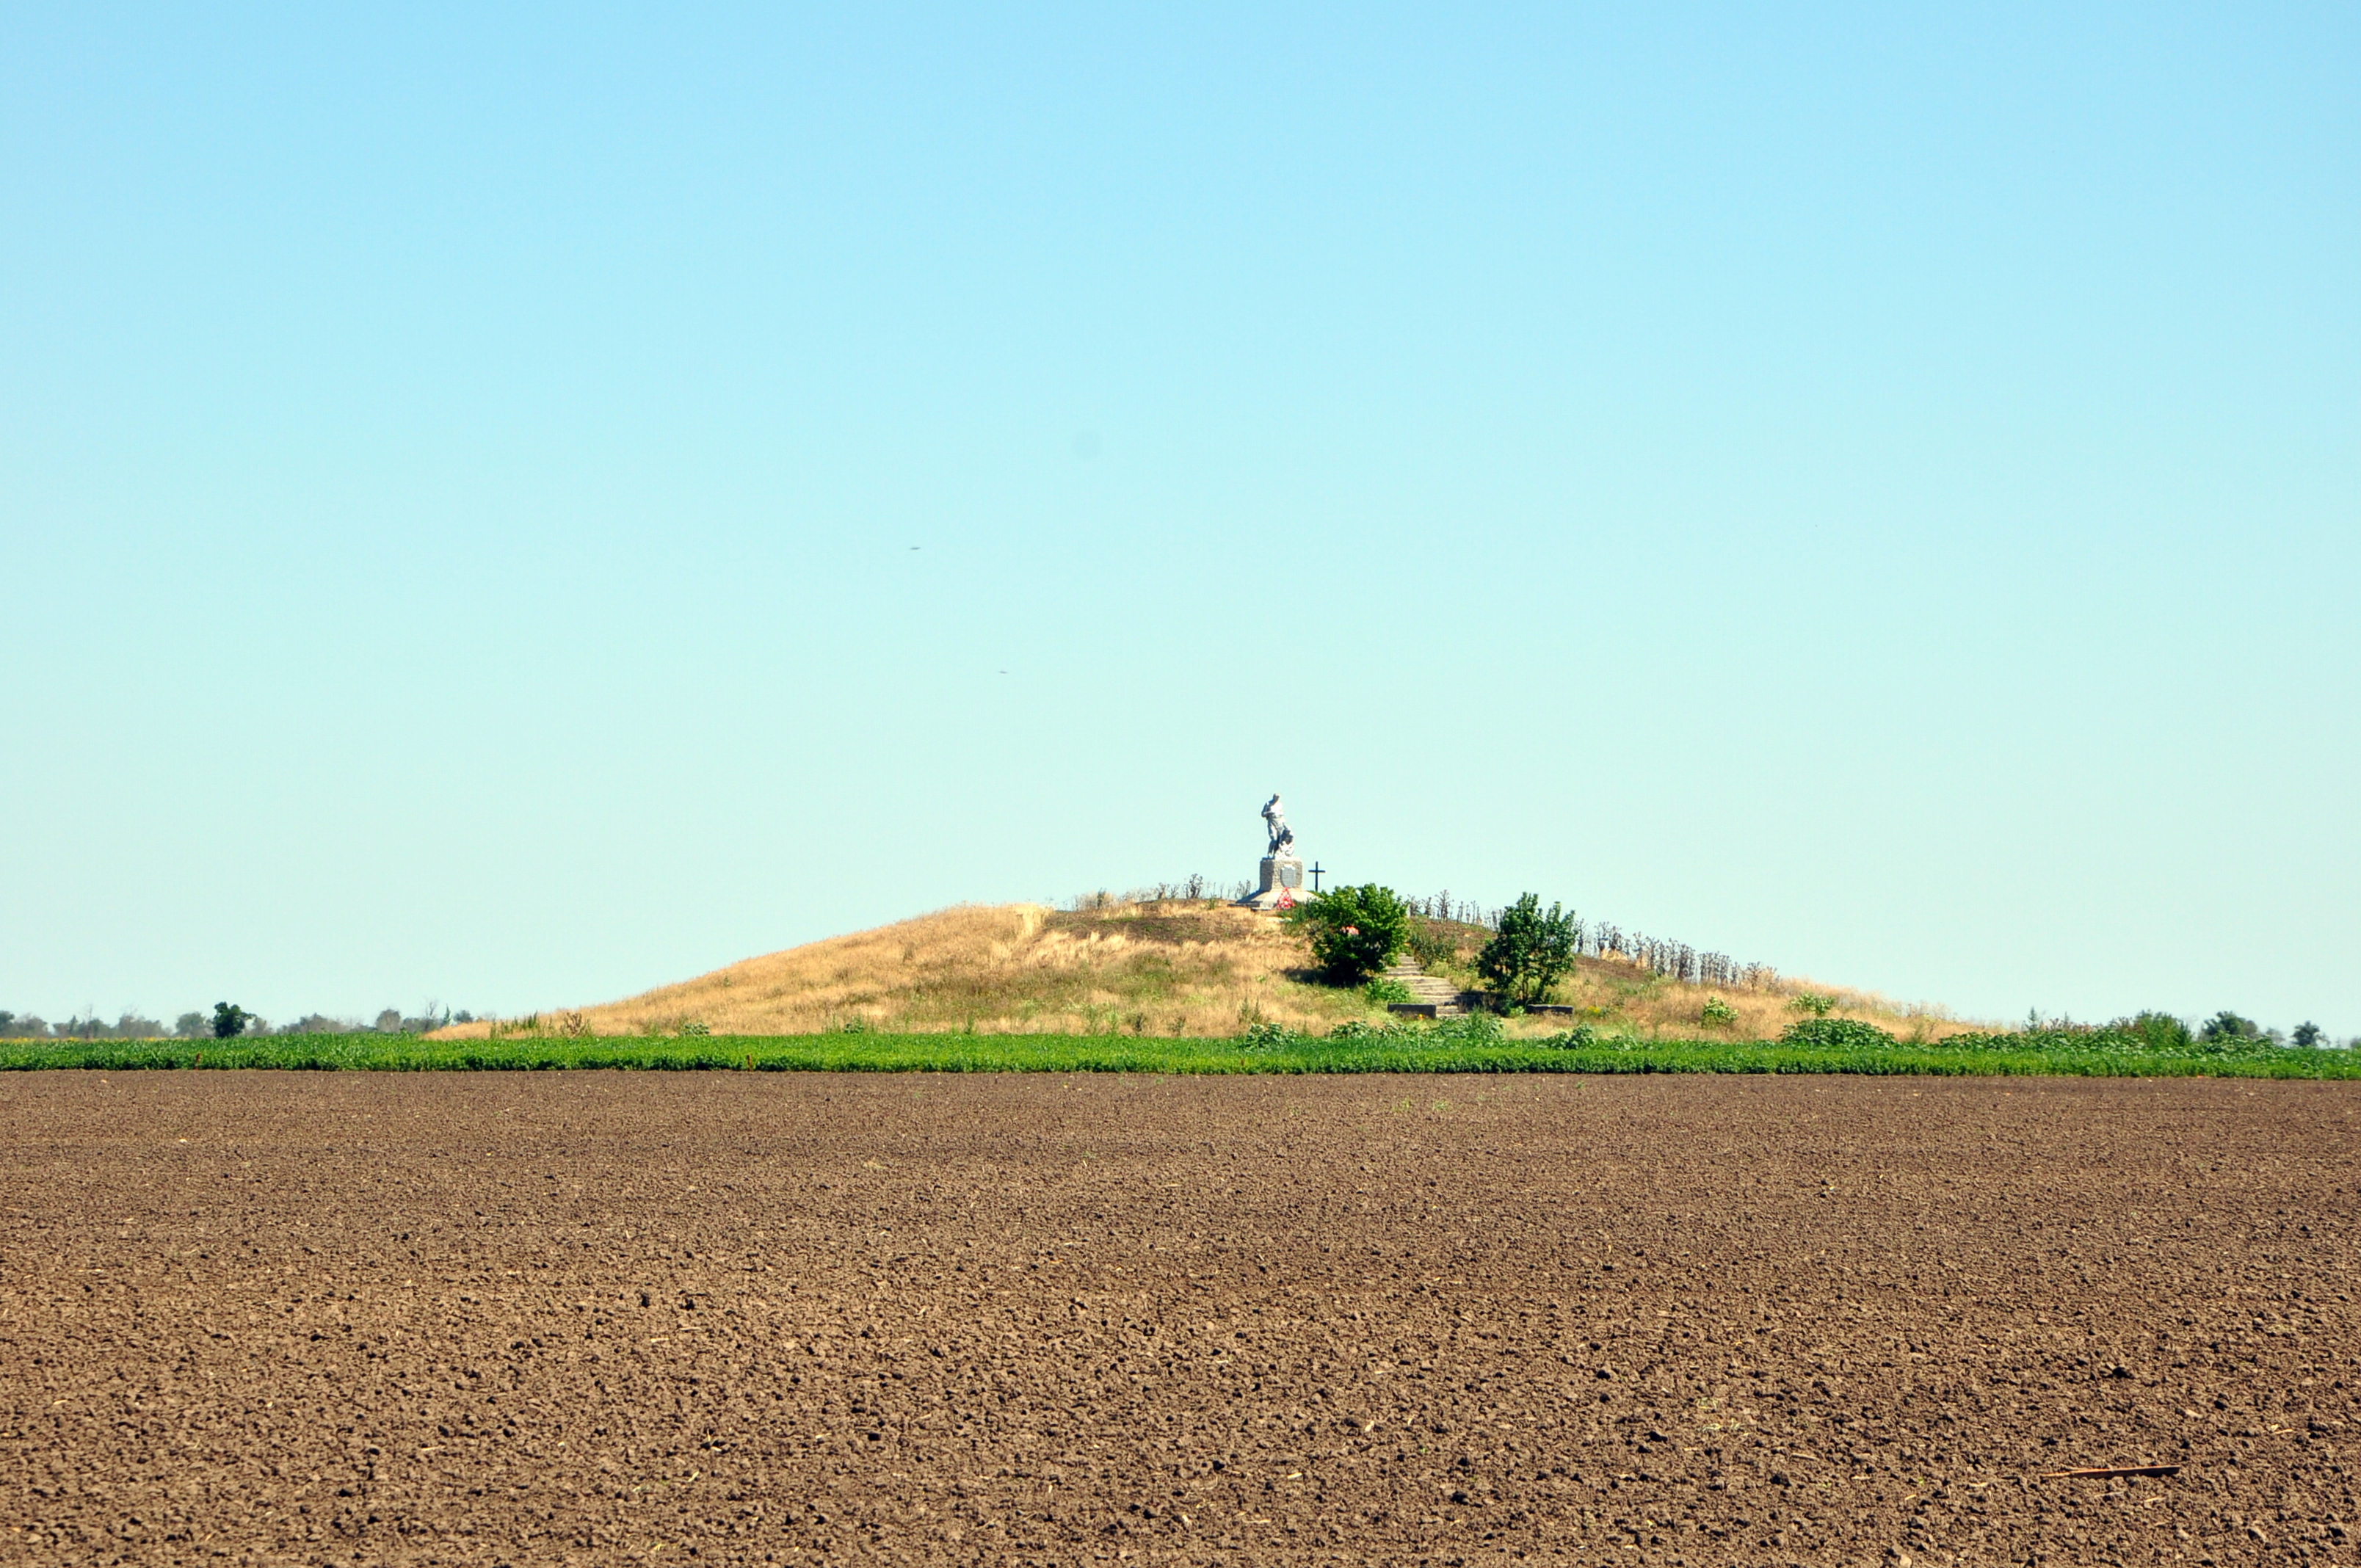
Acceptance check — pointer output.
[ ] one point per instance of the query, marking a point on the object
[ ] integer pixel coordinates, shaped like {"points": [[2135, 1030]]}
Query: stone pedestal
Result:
{"points": [[1280, 874]]}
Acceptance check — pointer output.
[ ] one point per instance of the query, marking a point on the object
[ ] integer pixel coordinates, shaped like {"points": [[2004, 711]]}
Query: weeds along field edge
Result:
{"points": [[1150, 1055]]}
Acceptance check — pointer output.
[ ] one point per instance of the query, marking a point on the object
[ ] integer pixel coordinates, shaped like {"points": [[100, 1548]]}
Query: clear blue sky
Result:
{"points": [[1868, 491]]}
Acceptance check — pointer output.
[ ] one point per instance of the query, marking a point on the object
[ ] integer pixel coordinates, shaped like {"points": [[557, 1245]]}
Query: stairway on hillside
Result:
{"points": [[1431, 995]]}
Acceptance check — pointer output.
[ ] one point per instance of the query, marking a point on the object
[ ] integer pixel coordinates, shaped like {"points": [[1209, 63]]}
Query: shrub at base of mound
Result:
{"points": [[1531, 952], [1836, 1034], [1355, 931]]}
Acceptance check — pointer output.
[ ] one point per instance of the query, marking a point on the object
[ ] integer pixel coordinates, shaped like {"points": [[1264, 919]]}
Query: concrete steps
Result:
{"points": [[1431, 995]]}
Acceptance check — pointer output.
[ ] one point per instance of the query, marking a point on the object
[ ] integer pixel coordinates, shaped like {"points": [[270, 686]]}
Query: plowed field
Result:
{"points": [[776, 1317]]}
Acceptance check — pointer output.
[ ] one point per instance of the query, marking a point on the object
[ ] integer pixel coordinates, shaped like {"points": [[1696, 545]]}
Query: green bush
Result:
{"points": [[1717, 1014], [1814, 1002], [1469, 1029], [1530, 951], [1477, 1029], [1355, 931], [1392, 1032], [2225, 1026], [1268, 1034], [2157, 1031], [1383, 993], [1834, 1033]]}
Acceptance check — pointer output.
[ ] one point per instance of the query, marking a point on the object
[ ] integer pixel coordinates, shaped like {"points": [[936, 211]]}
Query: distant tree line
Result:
{"points": [[227, 1021]]}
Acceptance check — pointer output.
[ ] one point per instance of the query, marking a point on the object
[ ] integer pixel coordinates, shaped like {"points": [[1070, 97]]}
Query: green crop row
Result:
{"points": [[1409, 1050]]}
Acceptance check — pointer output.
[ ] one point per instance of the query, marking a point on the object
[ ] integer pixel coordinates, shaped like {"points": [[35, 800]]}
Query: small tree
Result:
{"points": [[1355, 931], [2307, 1035], [2160, 1031], [1530, 951], [2227, 1026], [229, 1020]]}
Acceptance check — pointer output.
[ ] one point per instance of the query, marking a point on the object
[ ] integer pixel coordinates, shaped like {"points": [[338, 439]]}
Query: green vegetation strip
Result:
{"points": [[2050, 1055]]}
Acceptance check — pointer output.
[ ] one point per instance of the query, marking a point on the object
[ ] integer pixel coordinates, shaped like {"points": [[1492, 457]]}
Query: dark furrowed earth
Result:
{"points": [[778, 1318]]}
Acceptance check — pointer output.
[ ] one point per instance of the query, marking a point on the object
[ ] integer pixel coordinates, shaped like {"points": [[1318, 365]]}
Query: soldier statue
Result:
{"points": [[1282, 836]]}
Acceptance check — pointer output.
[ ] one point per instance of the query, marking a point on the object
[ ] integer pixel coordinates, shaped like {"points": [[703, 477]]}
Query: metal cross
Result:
{"points": [[1315, 877]]}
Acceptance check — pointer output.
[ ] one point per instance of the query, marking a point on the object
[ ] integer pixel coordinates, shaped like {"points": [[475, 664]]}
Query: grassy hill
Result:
{"points": [[1175, 968]]}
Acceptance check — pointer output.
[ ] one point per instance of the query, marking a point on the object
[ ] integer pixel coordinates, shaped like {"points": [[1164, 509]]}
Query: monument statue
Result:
{"points": [[1282, 836], [1281, 882]]}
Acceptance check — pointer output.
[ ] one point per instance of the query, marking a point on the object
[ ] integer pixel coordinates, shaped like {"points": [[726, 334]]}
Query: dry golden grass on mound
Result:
{"points": [[1174, 968], [1619, 997], [1160, 969], [1614, 995]]}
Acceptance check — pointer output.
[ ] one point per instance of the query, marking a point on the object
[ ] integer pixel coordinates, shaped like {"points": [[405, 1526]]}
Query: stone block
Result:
{"points": [[1280, 874]]}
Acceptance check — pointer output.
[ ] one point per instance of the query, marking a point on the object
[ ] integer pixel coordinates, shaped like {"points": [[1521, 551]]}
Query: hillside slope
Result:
{"points": [[1170, 968], [1192, 969]]}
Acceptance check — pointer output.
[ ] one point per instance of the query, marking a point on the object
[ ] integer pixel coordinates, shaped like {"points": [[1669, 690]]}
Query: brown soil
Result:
{"points": [[725, 1318]]}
